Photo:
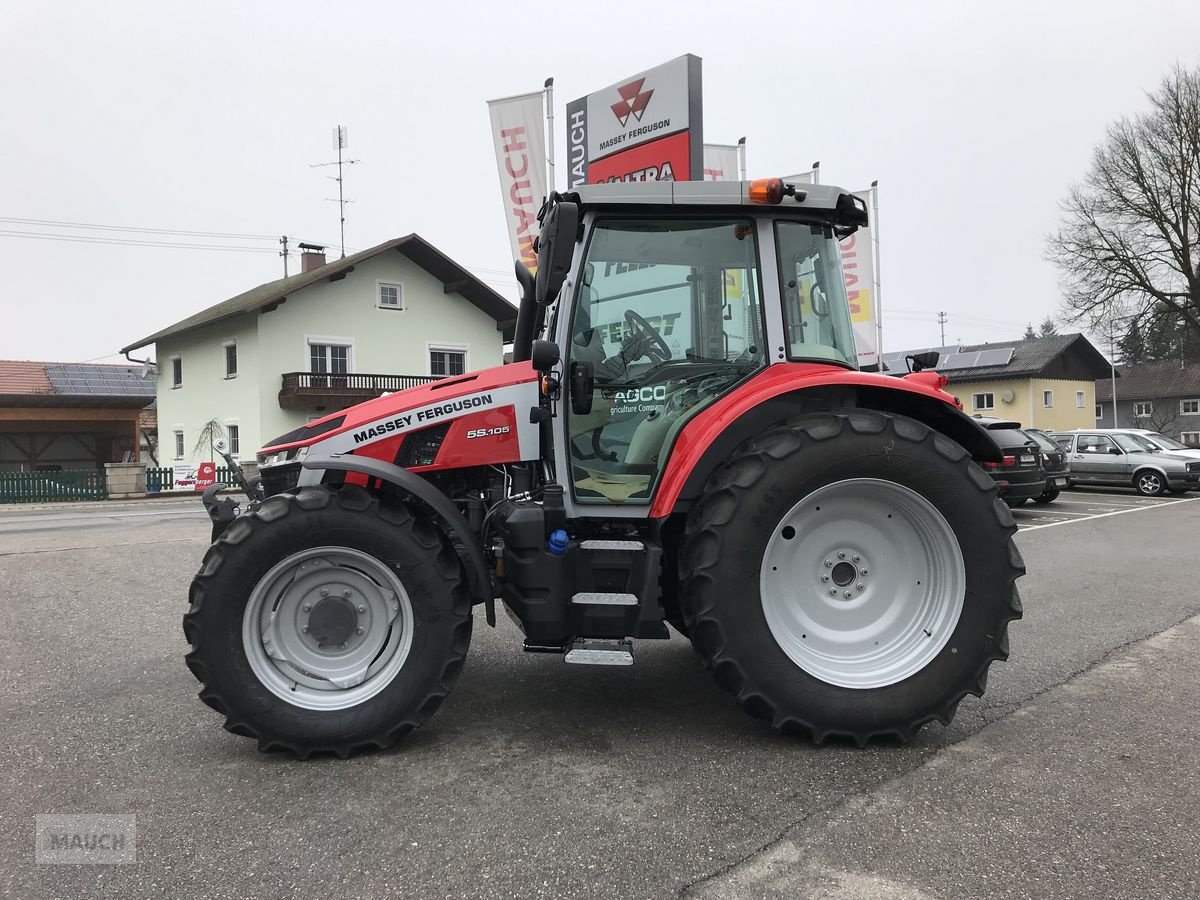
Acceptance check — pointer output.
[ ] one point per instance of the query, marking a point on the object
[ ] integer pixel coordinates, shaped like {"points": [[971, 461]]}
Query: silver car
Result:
{"points": [[1118, 457], [1163, 443]]}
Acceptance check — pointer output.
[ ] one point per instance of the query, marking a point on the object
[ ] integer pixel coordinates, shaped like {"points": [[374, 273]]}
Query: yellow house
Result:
{"points": [[1047, 383]]}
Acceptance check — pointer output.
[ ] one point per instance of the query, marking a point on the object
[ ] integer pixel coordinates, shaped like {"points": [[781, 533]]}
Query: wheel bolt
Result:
{"points": [[864, 573], [833, 592], [857, 558], [307, 607], [824, 577], [305, 629], [358, 631], [859, 586], [841, 556], [362, 609], [346, 594], [829, 563], [324, 593], [847, 595]]}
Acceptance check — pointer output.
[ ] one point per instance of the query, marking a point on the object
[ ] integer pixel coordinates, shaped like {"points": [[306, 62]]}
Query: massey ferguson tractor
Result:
{"points": [[683, 438]]}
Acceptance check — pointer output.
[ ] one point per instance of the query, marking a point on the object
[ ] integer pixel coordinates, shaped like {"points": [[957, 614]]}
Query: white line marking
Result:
{"points": [[1119, 512]]}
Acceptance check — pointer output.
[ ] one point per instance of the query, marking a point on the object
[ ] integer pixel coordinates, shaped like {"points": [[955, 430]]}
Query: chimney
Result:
{"points": [[312, 256]]}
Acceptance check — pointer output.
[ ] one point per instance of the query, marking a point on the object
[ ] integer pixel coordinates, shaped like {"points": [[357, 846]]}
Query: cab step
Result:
{"points": [[597, 544], [604, 598], [591, 652]]}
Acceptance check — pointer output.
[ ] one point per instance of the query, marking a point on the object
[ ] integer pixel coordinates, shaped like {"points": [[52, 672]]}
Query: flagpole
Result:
{"points": [[875, 256], [549, 135], [816, 172], [741, 145]]}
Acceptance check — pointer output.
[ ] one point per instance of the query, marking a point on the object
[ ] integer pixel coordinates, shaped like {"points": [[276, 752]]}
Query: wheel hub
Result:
{"points": [[862, 583], [332, 621]]}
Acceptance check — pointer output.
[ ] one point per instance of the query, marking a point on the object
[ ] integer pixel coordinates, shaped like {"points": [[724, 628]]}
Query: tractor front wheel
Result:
{"points": [[850, 574], [327, 622]]}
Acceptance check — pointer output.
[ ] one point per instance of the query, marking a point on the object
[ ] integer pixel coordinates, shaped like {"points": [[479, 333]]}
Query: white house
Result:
{"points": [[292, 350]]}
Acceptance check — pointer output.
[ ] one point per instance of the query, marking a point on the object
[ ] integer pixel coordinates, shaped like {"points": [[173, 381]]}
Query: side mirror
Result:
{"points": [[918, 362], [1115, 451], [545, 356], [556, 246]]}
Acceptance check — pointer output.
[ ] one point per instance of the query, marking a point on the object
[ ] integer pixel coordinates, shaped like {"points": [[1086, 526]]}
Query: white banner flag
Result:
{"points": [[858, 261], [808, 177], [520, 140], [720, 162]]}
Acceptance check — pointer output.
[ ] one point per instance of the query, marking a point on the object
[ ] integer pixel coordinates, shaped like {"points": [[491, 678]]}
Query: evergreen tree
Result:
{"points": [[1048, 328], [1030, 334], [1132, 346]]}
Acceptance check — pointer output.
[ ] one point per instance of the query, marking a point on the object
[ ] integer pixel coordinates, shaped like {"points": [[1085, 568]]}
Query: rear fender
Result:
{"points": [[437, 505], [713, 435]]}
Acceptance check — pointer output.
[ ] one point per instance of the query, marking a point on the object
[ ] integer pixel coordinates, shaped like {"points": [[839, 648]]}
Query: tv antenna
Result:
{"points": [[341, 140]]}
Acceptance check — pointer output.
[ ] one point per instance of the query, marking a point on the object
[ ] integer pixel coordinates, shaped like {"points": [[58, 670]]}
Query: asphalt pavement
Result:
{"points": [[537, 779]]}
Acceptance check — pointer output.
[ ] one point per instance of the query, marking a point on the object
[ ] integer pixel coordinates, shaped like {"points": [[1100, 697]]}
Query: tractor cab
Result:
{"points": [[669, 301]]}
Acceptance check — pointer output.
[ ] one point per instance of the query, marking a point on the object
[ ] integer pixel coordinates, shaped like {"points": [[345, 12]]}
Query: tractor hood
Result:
{"points": [[490, 408]]}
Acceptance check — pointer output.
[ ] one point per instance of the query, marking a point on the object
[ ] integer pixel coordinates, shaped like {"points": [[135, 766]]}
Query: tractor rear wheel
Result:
{"points": [[850, 574], [327, 622]]}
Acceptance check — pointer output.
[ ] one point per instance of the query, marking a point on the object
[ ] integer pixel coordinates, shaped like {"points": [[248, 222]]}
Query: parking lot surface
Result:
{"points": [[543, 780]]}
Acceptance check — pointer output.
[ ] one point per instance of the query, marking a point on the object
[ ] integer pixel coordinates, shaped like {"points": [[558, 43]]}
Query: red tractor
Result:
{"points": [[683, 437]]}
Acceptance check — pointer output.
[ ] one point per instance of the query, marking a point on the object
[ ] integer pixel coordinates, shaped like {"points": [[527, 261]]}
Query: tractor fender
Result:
{"points": [[769, 398], [451, 520]]}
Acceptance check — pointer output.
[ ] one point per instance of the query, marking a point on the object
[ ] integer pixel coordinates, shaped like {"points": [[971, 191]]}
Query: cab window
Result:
{"points": [[815, 306]]}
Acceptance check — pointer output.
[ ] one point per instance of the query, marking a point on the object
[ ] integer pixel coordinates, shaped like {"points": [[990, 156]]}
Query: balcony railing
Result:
{"points": [[308, 390]]}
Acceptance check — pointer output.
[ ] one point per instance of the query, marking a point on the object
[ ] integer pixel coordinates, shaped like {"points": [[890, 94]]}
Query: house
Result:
{"points": [[1045, 382], [289, 351], [58, 417], [1161, 396]]}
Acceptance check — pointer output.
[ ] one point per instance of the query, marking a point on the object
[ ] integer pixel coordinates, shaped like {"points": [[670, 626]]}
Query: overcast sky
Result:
{"points": [[974, 117]]}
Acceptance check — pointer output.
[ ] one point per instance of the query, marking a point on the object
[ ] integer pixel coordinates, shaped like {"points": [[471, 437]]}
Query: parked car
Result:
{"points": [[1113, 456], [1019, 475], [1054, 461], [1163, 443]]}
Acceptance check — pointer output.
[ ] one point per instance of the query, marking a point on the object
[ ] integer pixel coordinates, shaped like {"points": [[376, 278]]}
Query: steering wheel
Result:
{"points": [[658, 351]]}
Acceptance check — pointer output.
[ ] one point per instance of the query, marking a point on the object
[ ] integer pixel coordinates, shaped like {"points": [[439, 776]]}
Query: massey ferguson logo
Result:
{"points": [[633, 101]]}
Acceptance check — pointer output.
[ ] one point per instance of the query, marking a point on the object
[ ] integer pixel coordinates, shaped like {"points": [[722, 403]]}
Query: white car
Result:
{"points": [[1163, 443]]}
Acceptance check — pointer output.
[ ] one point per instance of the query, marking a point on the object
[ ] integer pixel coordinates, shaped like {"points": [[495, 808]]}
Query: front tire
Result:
{"points": [[327, 622], [765, 595], [1149, 483]]}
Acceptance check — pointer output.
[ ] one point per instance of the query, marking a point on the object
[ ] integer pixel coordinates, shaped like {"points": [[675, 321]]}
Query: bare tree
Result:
{"points": [[210, 432], [1163, 418], [1128, 246]]}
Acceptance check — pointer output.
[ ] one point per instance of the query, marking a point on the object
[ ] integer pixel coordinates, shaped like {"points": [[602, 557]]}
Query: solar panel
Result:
{"points": [[103, 381], [1001, 356]]}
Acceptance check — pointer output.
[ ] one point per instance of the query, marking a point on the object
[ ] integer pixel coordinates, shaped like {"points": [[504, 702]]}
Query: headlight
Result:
{"points": [[295, 454], [1193, 467]]}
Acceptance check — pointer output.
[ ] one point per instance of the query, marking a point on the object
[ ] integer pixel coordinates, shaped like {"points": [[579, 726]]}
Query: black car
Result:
{"points": [[1019, 475], [1054, 461]]}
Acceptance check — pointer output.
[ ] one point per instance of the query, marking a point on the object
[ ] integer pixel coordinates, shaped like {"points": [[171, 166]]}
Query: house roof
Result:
{"points": [[1065, 356], [1152, 380], [35, 383], [415, 247]]}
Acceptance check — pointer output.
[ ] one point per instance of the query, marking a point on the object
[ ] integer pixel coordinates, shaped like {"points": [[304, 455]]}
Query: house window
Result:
{"points": [[445, 361], [233, 435], [1189, 407], [1080, 400], [1048, 399], [179, 443], [1099, 411], [331, 359], [983, 401], [391, 295], [176, 372], [1191, 438], [231, 359], [1143, 408]]}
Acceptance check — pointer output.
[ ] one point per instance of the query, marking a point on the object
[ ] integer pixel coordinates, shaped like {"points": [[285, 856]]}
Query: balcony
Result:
{"points": [[306, 390]]}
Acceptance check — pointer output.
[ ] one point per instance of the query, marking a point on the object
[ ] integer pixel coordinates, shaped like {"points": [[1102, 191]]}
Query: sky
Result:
{"points": [[974, 117]]}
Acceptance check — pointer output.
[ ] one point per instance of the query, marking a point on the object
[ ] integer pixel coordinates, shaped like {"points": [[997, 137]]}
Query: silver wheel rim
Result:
{"points": [[327, 628], [1150, 483], [862, 583]]}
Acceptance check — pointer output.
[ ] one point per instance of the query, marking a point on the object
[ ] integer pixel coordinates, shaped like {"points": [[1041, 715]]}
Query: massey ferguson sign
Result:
{"points": [[643, 128]]}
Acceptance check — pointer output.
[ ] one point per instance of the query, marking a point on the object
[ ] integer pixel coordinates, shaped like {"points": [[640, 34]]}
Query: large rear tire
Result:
{"points": [[850, 574], [327, 622]]}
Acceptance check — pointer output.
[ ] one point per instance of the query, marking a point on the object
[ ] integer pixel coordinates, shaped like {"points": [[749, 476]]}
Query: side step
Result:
{"points": [[601, 598], [590, 652]]}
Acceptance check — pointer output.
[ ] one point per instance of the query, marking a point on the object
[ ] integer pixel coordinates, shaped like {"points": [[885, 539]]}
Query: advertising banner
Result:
{"points": [[858, 261], [206, 475], [520, 141], [643, 128], [183, 477], [721, 162]]}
